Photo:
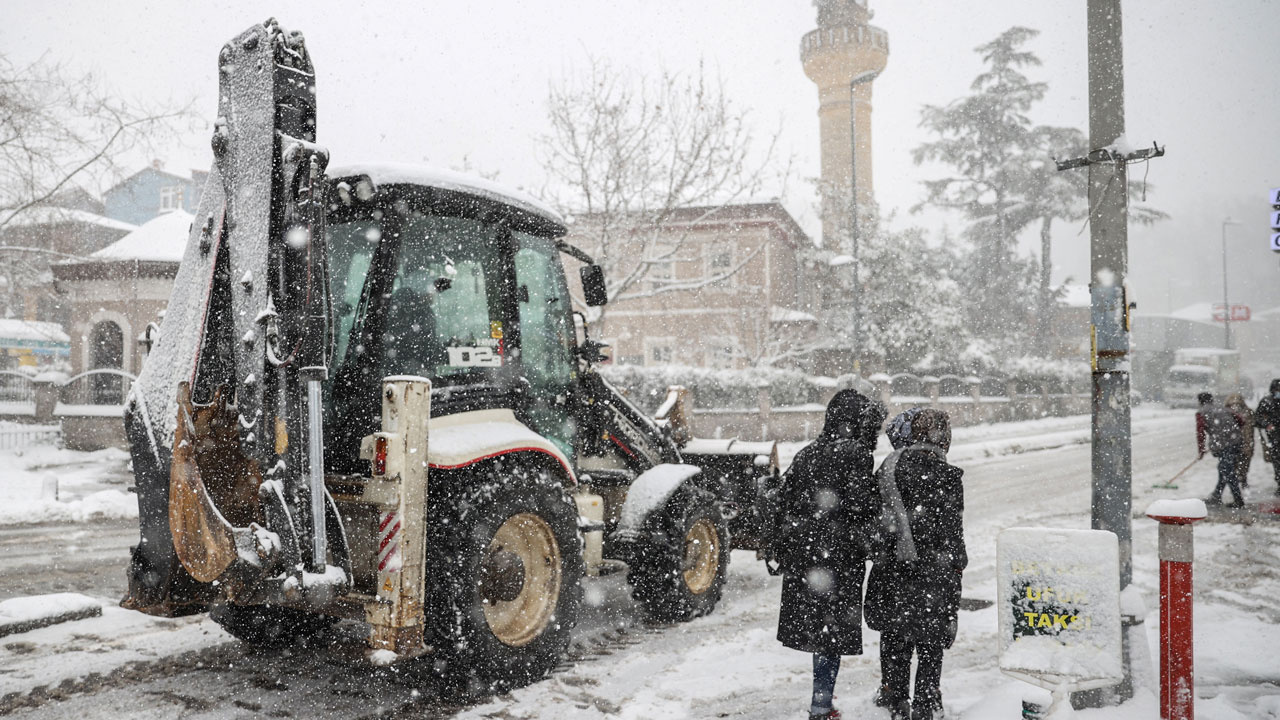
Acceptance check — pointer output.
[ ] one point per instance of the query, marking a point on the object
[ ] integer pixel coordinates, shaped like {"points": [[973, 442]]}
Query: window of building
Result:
{"points": [[170, 198], [720, 352], [662, 268], [719, 259], [659, 351]]}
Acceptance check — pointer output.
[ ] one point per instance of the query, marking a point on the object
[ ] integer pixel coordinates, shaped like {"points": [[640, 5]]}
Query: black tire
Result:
{"points": [[659, 576], [272, 626], [489, 645]]}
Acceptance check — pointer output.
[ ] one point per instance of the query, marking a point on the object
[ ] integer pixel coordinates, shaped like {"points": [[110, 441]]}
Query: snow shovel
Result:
{"points": [[1169, 484]]}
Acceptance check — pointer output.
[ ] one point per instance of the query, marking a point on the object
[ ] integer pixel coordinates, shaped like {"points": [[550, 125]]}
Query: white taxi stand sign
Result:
{"points": [[1059, 609]]}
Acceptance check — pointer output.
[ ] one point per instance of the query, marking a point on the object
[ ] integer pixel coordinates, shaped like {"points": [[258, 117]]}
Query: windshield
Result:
{"points": [[415, 293], [434, 306]]}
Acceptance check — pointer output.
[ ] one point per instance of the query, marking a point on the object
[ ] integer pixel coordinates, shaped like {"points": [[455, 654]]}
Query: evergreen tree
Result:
{"points": [[1004, 183], [911, 314], [987, 138]]}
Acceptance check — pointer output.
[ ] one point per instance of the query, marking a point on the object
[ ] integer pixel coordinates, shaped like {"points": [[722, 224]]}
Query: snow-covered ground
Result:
{"points": [[730, 664], [727, 664], [45, 483]]}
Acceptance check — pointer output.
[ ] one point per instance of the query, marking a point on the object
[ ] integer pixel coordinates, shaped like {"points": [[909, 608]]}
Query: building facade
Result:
{"points": [[32, 241], [115, 294], [727, 293], [152, 191]]}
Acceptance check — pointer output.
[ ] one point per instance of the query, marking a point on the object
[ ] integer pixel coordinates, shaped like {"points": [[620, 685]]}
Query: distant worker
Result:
{"points": [[1267, 418], [1235, 403], [913, 592], [1221, 431]]}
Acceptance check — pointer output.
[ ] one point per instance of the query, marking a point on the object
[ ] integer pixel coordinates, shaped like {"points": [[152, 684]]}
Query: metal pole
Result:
{"points": [[1108, 183], [1177, 659], [1226, 305]]}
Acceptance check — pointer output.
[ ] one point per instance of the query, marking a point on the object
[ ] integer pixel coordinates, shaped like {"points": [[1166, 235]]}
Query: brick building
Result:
{"points": [[680, 313]]}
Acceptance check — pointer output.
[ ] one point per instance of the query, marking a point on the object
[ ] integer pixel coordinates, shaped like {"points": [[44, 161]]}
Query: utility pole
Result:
{"points": [[1109, 246], [1226, 304], [1112, 496]]}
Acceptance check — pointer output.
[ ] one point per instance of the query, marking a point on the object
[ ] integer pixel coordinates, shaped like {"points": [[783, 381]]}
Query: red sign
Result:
{"points": [[1239, 313]]}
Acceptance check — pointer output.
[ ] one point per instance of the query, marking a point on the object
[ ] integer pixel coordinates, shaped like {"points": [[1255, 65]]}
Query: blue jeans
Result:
{"points": [[1228, 474], [825, 669]]}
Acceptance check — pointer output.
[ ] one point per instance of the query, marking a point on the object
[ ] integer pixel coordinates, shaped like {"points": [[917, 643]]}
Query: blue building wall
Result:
{"points": [[137, 199]]}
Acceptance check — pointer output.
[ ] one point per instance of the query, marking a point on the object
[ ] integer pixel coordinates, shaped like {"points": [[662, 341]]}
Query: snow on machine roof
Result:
{"points": [[392, 173]]}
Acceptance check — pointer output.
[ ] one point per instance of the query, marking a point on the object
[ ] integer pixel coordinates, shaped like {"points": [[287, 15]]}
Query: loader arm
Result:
{"points": [[223, 421]]}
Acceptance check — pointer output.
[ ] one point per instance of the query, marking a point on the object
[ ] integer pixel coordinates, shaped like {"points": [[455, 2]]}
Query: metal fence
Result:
{"points": [[16, 389], [25, 436], [103, 386]]}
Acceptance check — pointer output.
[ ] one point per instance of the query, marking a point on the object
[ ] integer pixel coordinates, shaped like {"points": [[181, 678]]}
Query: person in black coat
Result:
{"points": [[1267, 420], [913, 592], [826, 499]]}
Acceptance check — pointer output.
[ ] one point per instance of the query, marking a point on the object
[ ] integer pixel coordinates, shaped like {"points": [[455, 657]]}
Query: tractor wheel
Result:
{"points": [[503, 606], [272, 626], [678, 571]]}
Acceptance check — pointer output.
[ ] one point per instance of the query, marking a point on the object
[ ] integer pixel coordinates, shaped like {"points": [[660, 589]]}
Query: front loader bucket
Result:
{"points": [[211, 486]]}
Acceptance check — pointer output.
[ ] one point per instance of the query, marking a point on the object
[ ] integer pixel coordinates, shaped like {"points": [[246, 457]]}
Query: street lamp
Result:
{"points": [[1226, 306]]}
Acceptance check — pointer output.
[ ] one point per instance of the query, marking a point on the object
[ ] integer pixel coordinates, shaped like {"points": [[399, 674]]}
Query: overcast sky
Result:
{"points": [[440, 82]]}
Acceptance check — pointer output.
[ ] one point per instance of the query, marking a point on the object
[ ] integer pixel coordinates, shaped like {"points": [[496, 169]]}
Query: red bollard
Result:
{"points": [[1177, 674]]}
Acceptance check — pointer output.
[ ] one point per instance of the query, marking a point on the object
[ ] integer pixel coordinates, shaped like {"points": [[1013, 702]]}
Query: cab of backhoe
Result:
{"points": [[450, 282]]}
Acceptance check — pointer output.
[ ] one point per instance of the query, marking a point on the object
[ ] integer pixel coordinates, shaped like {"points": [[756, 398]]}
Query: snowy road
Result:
{"points": [[724, 665], [88, 558]]}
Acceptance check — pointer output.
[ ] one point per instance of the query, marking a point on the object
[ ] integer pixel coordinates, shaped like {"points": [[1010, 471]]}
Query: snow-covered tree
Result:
{"points": [[911, 311], [986, 138], [1004, 182], [627, 153]]}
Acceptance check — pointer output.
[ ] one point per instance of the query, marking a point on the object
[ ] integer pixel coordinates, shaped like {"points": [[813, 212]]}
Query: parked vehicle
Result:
{"points": [[1197, 370], [368, 400]]}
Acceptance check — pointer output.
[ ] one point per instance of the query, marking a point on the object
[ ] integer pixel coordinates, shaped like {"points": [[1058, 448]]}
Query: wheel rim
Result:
{"points": [[518, 621], [701, 556]]}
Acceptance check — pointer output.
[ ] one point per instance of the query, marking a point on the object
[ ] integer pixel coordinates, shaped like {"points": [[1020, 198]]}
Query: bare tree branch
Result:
{"points": [[626, 154]]}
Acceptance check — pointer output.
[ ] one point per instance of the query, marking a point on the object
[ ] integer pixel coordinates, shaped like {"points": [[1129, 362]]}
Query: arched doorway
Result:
{"points": [[106, 351]]}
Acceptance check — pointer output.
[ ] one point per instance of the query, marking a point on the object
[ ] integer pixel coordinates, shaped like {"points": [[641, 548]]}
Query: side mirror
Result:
{"points": [[593, 289]]}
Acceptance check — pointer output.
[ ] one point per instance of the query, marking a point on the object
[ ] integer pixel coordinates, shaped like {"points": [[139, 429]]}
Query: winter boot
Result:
{"points": [[832, 714], [900, 710], [927, 706], [885, 698]]}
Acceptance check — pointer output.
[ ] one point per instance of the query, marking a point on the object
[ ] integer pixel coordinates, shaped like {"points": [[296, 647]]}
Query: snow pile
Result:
{"points": [[48, 484], [651, 490], [12, 329], [52, 215], [23, 614], [646, 386], [1190, 509]]}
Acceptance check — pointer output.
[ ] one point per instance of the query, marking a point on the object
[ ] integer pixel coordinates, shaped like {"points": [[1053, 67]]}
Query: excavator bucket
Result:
{"points": [[212, 486]]}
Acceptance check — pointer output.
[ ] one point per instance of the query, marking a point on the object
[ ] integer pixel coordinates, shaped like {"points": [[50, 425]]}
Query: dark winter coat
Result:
{"points": [[1218, 428], [919, 600], [1267, 419], [827, 499]]}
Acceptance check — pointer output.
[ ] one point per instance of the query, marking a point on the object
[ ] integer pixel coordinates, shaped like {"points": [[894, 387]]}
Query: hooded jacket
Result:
{"points": [[827, 500], [919, 599]]}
